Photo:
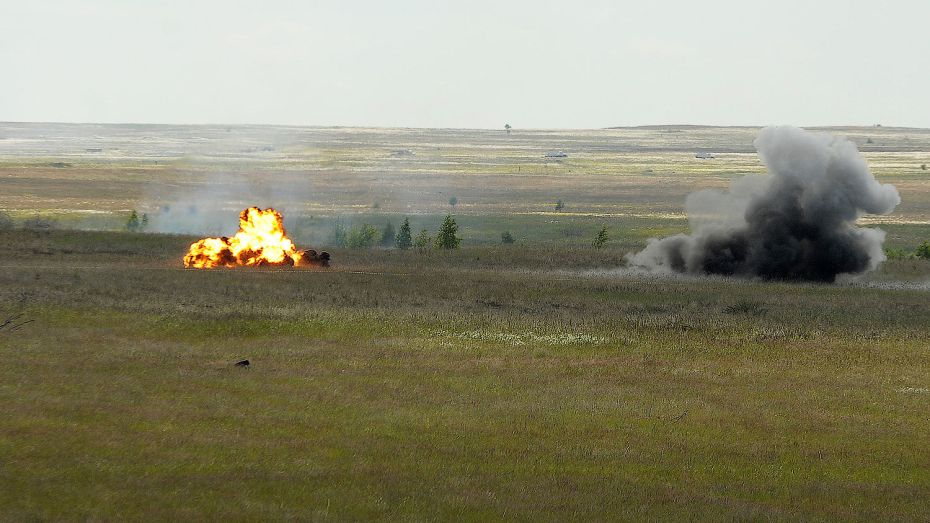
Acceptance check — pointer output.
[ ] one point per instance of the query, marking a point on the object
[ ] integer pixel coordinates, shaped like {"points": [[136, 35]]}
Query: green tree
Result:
{"points": [[388, 235], [145, 221], [403, 239], [446, 238], [601, 238], [559, 205], [361, 237], [133, 224], [923, 251], [507, 127], [453, 201], [422, 241], [506, 238]]}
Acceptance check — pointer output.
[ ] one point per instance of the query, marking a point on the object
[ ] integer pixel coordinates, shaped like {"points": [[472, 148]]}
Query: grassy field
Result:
{"points": [[534, 381]]}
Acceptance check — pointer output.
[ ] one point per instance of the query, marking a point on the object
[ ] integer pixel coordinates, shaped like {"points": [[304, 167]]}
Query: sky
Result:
{"points": [[467, 64]]}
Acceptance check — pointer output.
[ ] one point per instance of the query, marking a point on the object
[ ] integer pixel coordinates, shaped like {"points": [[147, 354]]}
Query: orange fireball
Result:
{"points": [[261, 240]]}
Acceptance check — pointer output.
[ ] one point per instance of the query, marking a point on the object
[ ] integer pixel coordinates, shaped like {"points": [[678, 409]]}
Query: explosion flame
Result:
{"points": [[261, 240]]}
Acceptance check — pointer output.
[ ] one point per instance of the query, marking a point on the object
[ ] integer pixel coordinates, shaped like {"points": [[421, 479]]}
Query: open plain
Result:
{"points": [[539, 380]]}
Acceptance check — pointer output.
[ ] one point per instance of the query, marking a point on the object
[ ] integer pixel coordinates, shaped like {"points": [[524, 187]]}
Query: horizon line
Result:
{"points": [[406, 127]]}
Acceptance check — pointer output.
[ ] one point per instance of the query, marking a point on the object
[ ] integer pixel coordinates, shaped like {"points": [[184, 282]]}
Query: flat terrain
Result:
{"points": [[535, 381], [92, 176]]}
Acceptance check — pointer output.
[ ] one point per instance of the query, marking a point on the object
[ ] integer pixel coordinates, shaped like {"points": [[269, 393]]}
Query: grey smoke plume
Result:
{"points": [[795, 223]]}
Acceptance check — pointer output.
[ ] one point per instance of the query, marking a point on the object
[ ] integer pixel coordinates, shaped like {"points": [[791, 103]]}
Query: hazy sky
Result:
{"points": [[570, 64]]}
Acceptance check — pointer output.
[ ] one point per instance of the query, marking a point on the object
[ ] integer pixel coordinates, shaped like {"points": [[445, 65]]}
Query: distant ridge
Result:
{"points": [[682, 127]]}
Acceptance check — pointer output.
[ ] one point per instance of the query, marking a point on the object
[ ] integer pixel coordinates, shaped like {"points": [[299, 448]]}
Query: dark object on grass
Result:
{"points": [[318, 260], [13, 323], [243, 363]]}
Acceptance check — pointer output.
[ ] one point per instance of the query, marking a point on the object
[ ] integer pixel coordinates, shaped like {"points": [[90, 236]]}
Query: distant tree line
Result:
{"points": [[366, 236]]}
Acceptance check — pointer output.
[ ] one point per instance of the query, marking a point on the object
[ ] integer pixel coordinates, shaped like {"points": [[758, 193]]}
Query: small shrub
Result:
{"points": [[361, 237], [506, 238], [6, 222], [133, 224], [601, 239], [923, 251], [559, 205], [923, 167], [423, 240], [896, 253]]}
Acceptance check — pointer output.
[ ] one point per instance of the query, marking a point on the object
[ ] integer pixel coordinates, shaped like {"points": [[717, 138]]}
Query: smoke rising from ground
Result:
{"points": [[211, 202], [795, 223]]}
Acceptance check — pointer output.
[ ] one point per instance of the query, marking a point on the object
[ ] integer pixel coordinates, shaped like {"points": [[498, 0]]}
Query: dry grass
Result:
{"points": [[624, 172]]}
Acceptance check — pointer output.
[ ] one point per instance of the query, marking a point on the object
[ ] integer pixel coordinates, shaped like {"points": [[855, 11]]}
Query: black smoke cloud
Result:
{"points": [[798, 222]]}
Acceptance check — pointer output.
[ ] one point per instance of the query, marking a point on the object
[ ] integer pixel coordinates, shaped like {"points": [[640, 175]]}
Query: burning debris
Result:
{"points": [[261, 241], [796, 223]]}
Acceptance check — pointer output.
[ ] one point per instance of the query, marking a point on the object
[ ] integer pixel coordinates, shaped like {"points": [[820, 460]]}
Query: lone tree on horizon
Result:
{"points": [[446, 238], [404, 240], [507, 127], [453, 201]]}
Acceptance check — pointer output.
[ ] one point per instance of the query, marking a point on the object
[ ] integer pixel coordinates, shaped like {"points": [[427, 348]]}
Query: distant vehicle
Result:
{"points": [[94, 150], [556, 154], [397, 153], [705, 156]]}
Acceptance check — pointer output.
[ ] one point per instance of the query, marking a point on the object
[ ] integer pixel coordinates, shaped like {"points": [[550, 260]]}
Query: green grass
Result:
{"points": [[438, 386], [533, 381]]}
